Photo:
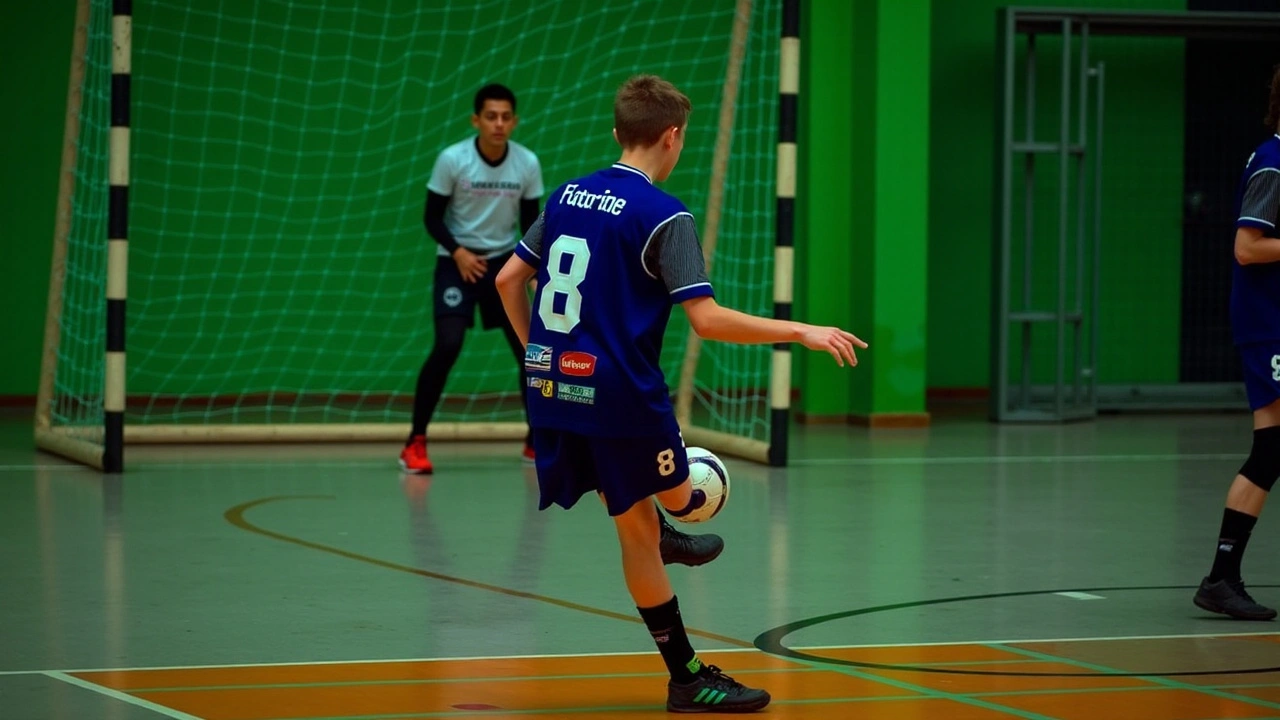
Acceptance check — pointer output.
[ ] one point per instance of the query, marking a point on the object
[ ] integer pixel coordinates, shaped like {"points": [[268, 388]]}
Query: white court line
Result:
{"points": [[1014, 459], [849, 461], [117, 695], [1080, 596], [551, 656]]}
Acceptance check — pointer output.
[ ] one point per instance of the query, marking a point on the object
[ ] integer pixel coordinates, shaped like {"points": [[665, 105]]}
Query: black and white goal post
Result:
{"points": [[784, 240], [117, 235]]}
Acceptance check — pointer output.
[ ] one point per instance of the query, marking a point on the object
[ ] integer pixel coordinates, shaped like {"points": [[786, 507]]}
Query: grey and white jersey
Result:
{"points": [[484, 199]]}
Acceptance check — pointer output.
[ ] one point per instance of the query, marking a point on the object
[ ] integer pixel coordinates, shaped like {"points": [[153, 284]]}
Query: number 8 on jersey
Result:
{"points": [[564, 283]]}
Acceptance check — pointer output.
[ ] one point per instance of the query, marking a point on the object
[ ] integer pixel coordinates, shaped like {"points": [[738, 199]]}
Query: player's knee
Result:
{"points": [[1263, 466]]}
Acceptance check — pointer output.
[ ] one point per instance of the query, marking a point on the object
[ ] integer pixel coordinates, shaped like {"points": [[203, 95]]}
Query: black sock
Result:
{"points": [[667, 629], [1236, 528]]}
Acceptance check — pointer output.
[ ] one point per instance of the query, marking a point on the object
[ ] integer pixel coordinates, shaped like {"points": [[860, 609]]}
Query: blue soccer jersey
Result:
{"points": [[613, 254], [1255, 289]]}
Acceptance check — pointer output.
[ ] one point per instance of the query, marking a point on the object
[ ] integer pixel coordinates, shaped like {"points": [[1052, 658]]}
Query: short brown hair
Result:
{"points": [[1273, 109], [645, 107]]}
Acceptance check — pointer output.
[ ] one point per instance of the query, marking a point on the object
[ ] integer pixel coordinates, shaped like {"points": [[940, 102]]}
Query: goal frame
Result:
{"points": [[104, 448]]}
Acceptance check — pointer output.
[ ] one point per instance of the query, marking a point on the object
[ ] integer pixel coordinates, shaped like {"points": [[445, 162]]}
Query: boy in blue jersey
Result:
{"points": [[1255, 321], [612, 254]]}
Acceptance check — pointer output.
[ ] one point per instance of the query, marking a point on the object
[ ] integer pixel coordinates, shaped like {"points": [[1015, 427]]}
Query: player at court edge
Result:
{"points": [[613, 254], [1255, 323]]}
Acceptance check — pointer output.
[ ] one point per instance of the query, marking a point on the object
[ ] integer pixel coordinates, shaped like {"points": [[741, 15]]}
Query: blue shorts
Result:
{"points": [[625, 470], [1261, 373]]}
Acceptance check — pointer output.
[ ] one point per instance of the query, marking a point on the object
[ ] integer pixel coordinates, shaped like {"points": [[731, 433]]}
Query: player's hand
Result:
{"points": [[835, 341], [472, 266]]}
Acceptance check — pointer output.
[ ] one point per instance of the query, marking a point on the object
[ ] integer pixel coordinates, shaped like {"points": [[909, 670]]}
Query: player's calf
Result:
{"points": [[693, 687]]}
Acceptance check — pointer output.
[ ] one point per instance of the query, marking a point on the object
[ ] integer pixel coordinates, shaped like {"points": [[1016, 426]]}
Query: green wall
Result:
{"points": [[1142, 212], [36, 49], [1142, 181]]}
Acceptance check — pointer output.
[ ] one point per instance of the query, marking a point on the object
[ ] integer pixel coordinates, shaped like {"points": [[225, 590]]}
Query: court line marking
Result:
{"points": [[522, 678], [236, 516], [810, 462], [118, 695], [1080, 596], [1156, 679], [621, 709], [1012, 459], [925, 691], [625, 653]]}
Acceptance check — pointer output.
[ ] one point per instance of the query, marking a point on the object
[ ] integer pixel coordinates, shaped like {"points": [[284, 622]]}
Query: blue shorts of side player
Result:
{"points": [[626, 470], [1261, 373]]}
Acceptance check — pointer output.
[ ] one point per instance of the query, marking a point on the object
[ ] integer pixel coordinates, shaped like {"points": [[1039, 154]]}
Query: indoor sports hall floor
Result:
{"points": [[964, 572]]}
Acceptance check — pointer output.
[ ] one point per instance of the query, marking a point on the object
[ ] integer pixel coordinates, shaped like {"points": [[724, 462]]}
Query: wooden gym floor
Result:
{"points": [[965, 571]]}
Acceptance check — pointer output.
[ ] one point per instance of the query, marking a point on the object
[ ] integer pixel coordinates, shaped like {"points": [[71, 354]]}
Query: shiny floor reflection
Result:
{"points": [[964, 571]]}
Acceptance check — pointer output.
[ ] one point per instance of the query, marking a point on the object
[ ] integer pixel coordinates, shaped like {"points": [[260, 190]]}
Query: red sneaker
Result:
{"points": [[528, 453], [414, 456]]}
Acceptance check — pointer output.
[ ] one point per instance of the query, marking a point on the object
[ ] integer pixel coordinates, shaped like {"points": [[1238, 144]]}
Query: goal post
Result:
{"points": [[259, 188]]}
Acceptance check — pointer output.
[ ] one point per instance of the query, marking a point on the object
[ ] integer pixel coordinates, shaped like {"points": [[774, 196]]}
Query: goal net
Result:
{"points": [[279, 275]]}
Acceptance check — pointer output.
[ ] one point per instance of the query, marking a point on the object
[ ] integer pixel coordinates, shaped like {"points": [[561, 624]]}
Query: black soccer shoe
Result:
{"points": [[1228, 597], [691, 550], [714, 692]]}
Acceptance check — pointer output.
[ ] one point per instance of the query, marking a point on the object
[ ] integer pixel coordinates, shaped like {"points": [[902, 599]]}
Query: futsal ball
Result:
{"points": [[710, 477]]}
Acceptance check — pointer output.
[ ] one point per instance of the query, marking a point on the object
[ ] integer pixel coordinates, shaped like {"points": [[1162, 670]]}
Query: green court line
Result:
{"points": [[444, 681], [504, 678], [925, 691], [602, 709], [1165, 681]]}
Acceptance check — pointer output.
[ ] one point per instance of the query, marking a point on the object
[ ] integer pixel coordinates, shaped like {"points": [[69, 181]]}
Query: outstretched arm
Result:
{"points": [[712, 321], [675, 255]]}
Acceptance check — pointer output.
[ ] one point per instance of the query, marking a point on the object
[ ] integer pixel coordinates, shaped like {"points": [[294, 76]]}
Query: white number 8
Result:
{"points": [[1275, 365], [666, 462], [564, 283]]}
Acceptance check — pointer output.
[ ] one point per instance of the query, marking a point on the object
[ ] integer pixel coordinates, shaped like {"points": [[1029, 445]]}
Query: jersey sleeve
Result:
{"points": [[675, 256], [533, 183], [1260, 206], [529, 249], [441, 182]]}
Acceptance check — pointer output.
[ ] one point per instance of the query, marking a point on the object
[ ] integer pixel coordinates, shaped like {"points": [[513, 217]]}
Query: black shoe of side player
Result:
{"points": [[1229, 597], [691, 550], [714, 692]]}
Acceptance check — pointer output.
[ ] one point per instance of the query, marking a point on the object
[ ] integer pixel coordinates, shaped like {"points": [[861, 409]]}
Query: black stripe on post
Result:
{"points": [[791, 18], [115, 325], [118, 212], [113, 453], [120, 99], [778, 436], [787, 117], [785, 231]]}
